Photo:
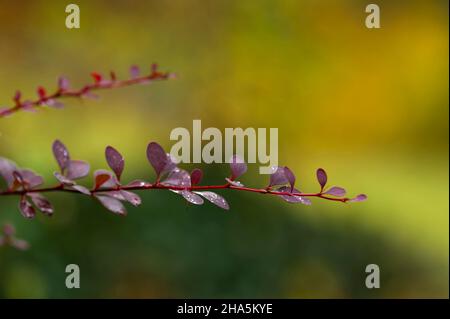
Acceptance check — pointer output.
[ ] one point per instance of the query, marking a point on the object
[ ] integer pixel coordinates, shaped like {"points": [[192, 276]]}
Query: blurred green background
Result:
{"points": [[370, 106]]}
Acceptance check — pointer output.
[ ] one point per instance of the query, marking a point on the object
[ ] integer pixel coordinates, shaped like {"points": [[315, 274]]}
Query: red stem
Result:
{"points": [[161, 186]]}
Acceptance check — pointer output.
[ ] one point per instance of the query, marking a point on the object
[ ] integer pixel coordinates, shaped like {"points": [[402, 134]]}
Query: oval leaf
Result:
{"points": [[112, 204], [278, 177], [216, 199], [41, 203], [131, 198], [110, 182], [30, 178], [196, 176], [61, 154], [7, 168], [238, 166], [63, 180], [293, 198], [191, 197], [26, 208], [178, 177], [157, 157], [77, 169], [115, 161], [101, 179], [321, 177], [81, 189], [359, 198], [336, 191], [137, 183]]}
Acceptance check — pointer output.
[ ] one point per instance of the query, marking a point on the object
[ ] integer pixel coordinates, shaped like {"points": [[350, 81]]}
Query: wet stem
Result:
{"points": [[157, 185]]}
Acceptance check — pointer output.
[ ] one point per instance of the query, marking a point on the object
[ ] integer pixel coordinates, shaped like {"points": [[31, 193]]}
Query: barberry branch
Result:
{"points": [[64, 91], [110, 191], [150, 186]]}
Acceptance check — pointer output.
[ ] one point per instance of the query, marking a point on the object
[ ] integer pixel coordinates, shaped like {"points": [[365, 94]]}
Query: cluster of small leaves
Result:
{"points": [[109, 190], [100, 81], [8, 238]]}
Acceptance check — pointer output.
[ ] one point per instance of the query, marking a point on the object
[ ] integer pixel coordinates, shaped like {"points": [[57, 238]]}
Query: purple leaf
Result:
{"points": [[215, 199], [115, 194], [358, 198], [7, 168], [61, 154], [290, 177], [131, 197], [28, 106], [41, 203], [336, 191], [278, 177], [191, 197], [26, 208], [321, 177], [178, 177], [112, 204], [17, 96], [170, 165], [115, 161], [134, 71], [234, 183], [63, 180], [157, 157], [196, 176], [293, 198], [54, 103], [77, 169], [238, 166], [30, 178], [137, 183], [81, 189], [63, 83]]}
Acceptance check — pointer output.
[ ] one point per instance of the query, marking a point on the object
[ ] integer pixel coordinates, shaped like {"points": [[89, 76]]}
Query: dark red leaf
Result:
{"points": [[42, 93], [101, 179], [321, 177], [157, 157], [196, 176], [97, 77], [115, 161]]}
